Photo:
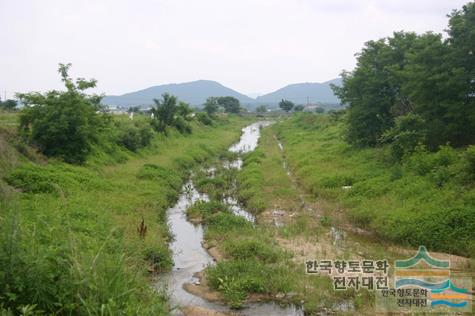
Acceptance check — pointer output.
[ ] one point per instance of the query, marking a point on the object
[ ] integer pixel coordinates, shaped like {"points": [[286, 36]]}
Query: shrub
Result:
{"points": [[52, 178], [168, 114], [336, 181], [182, 125], [408, 132], [134, 135], [237, 278], [159, 258], [469, 162], [252, 248], [204, 118], [62, 124], [205, 209]]}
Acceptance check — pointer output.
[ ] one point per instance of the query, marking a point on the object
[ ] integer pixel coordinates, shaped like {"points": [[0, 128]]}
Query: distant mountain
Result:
{"points": [[195, 93], [299, 92]]}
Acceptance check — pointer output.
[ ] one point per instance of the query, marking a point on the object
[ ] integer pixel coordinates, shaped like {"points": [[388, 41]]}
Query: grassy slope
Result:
{"points": [[263, 183], [424, 200], [73, 245], [254, 261]]}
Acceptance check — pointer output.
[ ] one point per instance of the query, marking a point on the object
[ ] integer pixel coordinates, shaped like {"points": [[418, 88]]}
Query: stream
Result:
{"points": [[189, 256]]}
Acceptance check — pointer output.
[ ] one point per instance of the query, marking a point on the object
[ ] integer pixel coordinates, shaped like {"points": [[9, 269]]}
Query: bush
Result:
{"points": [[205, 209], [182, 125], [52, 178], [450, 230], [62, 124], [204, 118], [405, 136], [159, 258], [252, 248], [469, 162], [237, 278], [134, 135]]}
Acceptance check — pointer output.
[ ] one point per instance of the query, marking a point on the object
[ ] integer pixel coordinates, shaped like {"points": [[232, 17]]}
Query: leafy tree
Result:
{"points": [[164, 112], [8, 104], [63, 123], [320, 110], [407, 133], [299, 108], [211, 106], [261, 109], [168, 114], [373, 89], [286, 105], [230, 104], [425, 75]]}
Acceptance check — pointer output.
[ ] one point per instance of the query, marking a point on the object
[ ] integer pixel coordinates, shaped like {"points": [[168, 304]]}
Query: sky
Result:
{"points": [[253, 46]]}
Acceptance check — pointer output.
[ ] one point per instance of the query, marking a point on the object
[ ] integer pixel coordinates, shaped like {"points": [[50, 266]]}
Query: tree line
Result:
{"points": [[410, 89], [68, 124]]}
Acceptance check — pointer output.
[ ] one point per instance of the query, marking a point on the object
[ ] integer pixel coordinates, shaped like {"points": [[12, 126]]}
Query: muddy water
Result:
{"points": [[190, 257]]}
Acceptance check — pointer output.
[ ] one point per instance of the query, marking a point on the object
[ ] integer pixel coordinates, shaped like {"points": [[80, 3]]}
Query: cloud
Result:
{"points": [[250, 45]]}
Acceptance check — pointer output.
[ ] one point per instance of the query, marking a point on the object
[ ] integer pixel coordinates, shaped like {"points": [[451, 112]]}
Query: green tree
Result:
{"points": [[230, 104], [167, 113], [286, 105], [8, 104], [299, 108], [373, 89], [261, 109], [164, 112], [63, 123], [211, 106], [408, 132]]}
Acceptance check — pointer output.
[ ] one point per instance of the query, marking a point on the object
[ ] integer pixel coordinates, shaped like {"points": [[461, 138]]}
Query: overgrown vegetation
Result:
{"points": [[254, 263], [409, 89], [72, 125], [82, 239], [426, 199], [63, 123], [168, 113], [228, 104]]}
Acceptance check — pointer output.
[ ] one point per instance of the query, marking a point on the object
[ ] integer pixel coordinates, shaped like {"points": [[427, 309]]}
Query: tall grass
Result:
{"points": [[83, 239], [426, 199]]}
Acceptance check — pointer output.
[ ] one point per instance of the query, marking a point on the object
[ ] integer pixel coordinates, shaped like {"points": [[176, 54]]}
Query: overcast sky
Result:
{"points": [[248, 45]]}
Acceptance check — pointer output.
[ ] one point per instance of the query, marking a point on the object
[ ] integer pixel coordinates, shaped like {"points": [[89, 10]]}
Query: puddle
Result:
{"points": [[189, 256], [237, 209]]}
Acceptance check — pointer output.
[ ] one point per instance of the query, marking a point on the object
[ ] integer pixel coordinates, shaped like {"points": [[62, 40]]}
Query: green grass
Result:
{"points": [[263, 182], [427, 199], [254, 263], [70, 237]]}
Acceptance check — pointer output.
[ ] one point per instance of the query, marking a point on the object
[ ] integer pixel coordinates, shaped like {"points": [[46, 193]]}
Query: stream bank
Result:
{"points": [[190, 255]]}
